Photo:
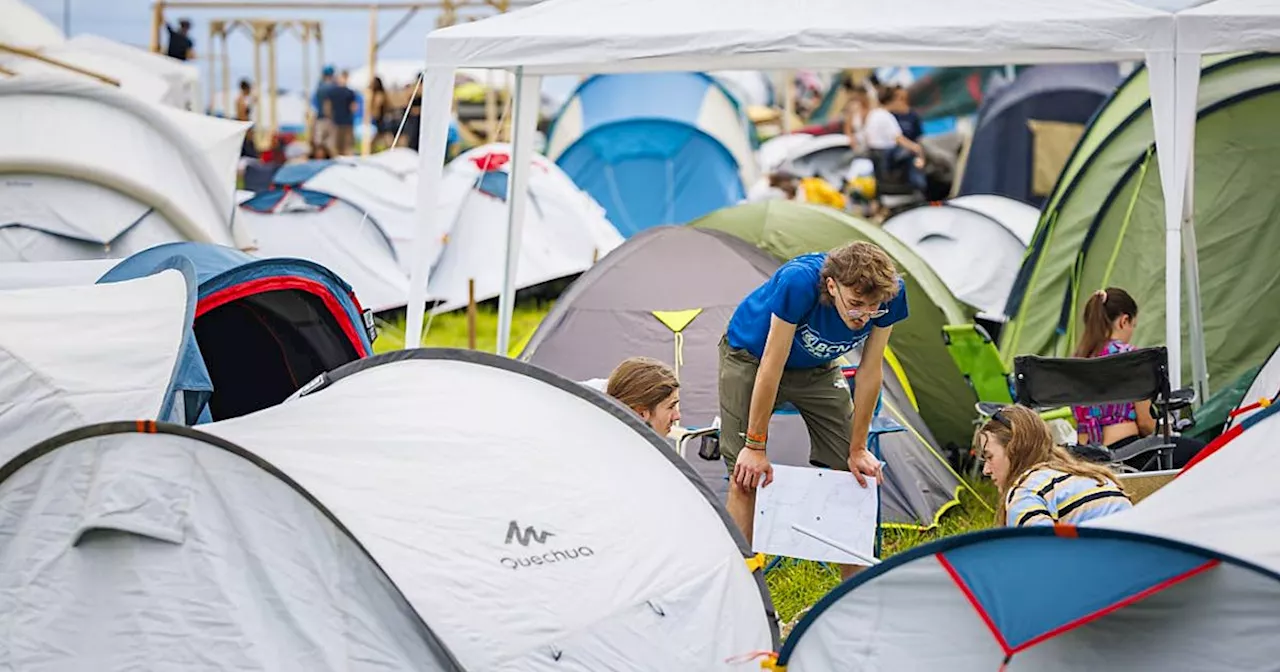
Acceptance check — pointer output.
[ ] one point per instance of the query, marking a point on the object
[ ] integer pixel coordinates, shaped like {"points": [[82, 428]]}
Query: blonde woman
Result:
{"points": [[1040, 483], [650, 388]]}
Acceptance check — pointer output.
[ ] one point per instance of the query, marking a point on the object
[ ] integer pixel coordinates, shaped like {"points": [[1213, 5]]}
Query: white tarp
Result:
{"points": [[564, 232], [126, 550], [338, 237], [178, 164], [54, 377], [580, 36], [84, 66], [24, 27], [528, 559]]}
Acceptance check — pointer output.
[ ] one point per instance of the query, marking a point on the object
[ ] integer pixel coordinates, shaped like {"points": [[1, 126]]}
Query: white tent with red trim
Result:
{"points": [[1186, 580]]}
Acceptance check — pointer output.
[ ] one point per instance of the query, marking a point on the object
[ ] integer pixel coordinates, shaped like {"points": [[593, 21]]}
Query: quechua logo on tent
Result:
{"points": [[524, 536]]}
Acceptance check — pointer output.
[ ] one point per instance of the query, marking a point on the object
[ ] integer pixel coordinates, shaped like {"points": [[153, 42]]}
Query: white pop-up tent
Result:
{"points": [[586, 36], [24, 27], [53, 378], [183, 78], [537, 558], [564, 230], [91, 172]]}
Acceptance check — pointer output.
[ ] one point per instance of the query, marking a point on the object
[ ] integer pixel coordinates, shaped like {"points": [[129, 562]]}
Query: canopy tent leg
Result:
{"points": [[437, 95], [1199, 358], [1174, 83], [528, 96]]}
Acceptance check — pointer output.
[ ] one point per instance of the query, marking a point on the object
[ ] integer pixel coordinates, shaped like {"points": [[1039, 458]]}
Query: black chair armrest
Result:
{"points": [[1179, 399], [1153, 443], [1091, 452]]}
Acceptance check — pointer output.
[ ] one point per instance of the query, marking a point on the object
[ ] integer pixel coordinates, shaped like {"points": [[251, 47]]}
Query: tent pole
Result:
{"points": [[471, 313], [526, 118], [1199, 361]]}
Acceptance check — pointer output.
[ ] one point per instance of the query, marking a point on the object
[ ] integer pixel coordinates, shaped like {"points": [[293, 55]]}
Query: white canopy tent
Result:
{"points": [[591, 36]]}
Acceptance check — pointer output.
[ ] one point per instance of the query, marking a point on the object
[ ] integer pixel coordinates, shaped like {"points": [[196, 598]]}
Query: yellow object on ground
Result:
{"points": [[819, 192]]}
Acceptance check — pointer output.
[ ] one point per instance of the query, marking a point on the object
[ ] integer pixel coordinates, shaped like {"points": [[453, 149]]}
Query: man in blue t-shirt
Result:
{"points": [[781, 346]]}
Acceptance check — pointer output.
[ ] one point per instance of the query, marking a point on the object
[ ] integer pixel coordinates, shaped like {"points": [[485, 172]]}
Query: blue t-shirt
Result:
{"points": [[341, 99], [792, 294]]}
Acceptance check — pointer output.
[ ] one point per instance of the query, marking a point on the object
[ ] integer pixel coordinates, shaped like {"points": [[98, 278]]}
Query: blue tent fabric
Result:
{"points": [[1005, 578], [1001, 153], [294, 174], [190, 376], [267, 201], [641, 154]]}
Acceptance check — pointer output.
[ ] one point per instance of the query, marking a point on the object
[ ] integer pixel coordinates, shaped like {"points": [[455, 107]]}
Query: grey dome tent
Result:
{"points": [[1027, 129], [137, 545], [668, 293]]}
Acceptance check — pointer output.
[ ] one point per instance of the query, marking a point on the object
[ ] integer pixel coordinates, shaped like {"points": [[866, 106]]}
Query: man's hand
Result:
{"points": [[862, 464], [752, 468]]}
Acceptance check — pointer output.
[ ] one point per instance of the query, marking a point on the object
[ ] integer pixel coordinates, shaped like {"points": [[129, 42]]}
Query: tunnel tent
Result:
{"points": [[175, 516], [620, 309], [153, 174], [318, 227], [658, 582], [1026, 130], [786, 229], [265, 326], [654, 148], [136, 363], [976, 255], [1105, 221]]}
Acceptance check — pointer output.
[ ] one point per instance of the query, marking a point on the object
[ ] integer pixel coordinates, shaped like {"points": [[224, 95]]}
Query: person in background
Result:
{"points": [[781, 345], [383, 127], [898, 102], [1110, 317], [322, 130], [181, 46], [872, 127], [1039, 482], [650, 388], [245, 101], [342, 104]]}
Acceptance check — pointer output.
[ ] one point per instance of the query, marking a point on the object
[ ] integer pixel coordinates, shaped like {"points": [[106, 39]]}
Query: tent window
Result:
{"points": [[262, 348], [1052, 144]]}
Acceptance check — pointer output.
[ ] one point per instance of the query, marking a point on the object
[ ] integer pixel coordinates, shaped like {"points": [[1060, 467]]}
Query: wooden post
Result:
{"points": [[226, 74], [157, 21], [306, 60], [471, 313], [366, 146], [213, 66], [595, 255], [257, 81], [273, 91], [788, 100]]}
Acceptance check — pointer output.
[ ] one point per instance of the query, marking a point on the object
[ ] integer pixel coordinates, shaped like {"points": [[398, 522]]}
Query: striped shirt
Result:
{"points": [[1046, 496]]}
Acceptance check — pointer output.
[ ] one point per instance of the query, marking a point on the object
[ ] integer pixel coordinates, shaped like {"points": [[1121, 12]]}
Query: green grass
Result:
{"points": [[794, 586]]}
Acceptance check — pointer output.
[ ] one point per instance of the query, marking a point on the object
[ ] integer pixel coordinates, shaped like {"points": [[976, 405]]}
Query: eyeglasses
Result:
{"points": [[857, 313]]}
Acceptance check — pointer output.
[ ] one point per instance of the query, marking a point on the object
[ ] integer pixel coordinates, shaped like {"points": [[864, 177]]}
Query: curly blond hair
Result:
{"points": [[863, 268]]}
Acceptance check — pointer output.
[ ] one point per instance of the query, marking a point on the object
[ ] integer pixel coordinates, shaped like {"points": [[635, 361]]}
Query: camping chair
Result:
{"points": [[1138, 375], [894, 190]]}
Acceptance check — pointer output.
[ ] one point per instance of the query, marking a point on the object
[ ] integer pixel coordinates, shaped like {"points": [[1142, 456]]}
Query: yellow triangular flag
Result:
{"points": [[677, 320]]}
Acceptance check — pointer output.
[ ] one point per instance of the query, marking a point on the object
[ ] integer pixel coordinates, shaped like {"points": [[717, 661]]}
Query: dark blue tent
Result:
{"points": [[1055, 101], [265, 327]]}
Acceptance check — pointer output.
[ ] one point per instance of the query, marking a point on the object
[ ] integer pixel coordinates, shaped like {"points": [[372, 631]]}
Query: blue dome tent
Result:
{"points": [[1027, 129], [265, 327], [654, 148]]}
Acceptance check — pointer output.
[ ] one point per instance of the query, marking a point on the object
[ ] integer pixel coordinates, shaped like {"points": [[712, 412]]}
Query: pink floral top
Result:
{"points": [[1091, 419]]}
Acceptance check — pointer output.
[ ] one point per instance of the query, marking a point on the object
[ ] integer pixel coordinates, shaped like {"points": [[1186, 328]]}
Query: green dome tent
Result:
{"points": [[786, 229], [1104, 223]]}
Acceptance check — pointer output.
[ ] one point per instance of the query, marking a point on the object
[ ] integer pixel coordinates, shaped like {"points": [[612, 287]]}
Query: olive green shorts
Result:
{"points": [[820, 394]]}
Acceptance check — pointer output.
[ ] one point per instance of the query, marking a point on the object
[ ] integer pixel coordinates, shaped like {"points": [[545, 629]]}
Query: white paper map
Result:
{"points": [[830, 510]]}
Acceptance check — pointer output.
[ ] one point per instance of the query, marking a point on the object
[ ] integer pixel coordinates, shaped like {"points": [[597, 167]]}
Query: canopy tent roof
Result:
{"points": [[586, 35], [309, 225], [54, 378], [786, 229], [1224, 26], [515, 558], [179, 164]]}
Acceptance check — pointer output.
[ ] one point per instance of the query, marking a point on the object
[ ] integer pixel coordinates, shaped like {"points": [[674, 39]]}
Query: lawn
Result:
{"points": [[794, 587]]}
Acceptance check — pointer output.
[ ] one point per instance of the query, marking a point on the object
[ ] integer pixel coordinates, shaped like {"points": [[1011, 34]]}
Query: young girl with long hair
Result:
{"points": [[1039, 482], [650, 388], [1110, 317]]}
